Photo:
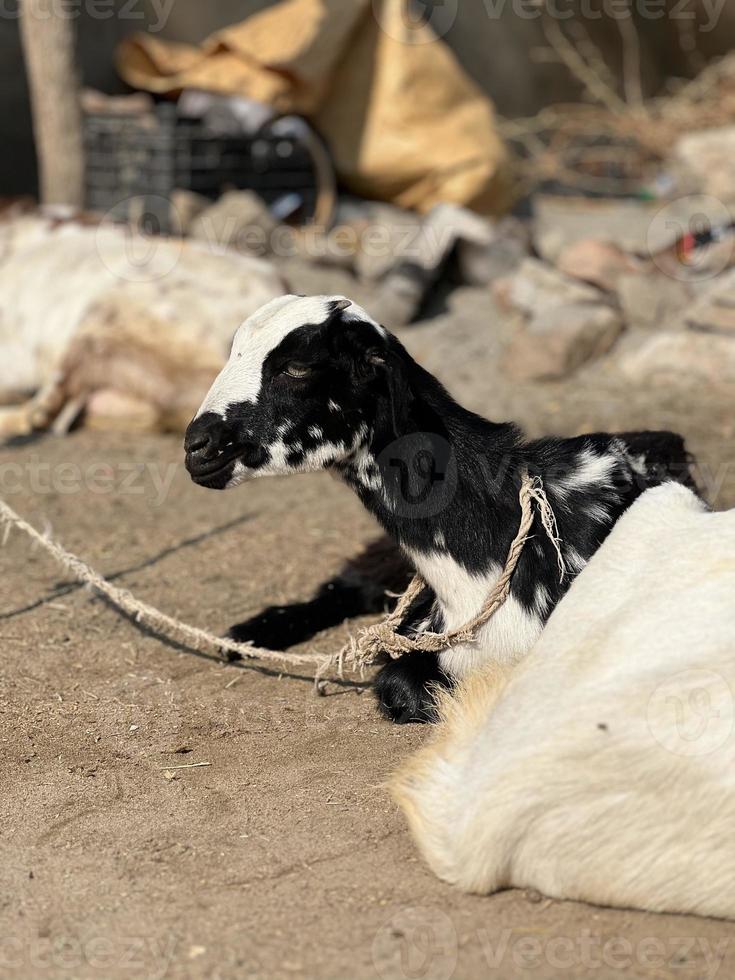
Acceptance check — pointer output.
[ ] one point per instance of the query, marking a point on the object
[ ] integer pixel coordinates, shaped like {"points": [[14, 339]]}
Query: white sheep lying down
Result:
{"points": [[132, 328], [602, 768]]}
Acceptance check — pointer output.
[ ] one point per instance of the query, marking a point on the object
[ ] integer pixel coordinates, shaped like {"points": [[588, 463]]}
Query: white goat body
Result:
{"points": [[602, 768]]}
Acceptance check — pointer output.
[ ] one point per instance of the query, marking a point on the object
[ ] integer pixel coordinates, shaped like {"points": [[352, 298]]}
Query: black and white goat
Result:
{"points": [[315, 383]]}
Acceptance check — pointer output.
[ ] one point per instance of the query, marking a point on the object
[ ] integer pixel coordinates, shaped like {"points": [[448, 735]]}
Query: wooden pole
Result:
{"points": [[48, 35]]}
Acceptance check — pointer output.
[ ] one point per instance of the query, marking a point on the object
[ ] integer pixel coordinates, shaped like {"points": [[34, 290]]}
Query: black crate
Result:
{"points": [[133, 163]]}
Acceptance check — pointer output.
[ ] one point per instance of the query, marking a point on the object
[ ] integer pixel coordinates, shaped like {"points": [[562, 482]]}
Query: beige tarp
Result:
{"points": [[403, 121]]}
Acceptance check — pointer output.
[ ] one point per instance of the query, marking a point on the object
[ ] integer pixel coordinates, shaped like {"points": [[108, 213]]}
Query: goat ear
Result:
{"points": [[400, 397], [368, 362]]}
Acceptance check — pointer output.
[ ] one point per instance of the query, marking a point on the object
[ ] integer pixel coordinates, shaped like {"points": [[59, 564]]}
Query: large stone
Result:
{"points": [[559, 222], [536, 288], [705, 158], [642, 228], [186, 206], [482, 263], [597, 262], [555, 343], [714, 311], [652, 300], [390, 239], [404, 253], [238, 220], [685, 357]]}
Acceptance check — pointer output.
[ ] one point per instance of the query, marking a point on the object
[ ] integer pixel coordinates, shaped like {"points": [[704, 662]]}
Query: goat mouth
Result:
{"points": [[217, 473], [211, 474]]}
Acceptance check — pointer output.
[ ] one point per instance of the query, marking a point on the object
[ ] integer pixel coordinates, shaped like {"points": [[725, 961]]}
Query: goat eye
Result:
{"points": [[297, 370]]}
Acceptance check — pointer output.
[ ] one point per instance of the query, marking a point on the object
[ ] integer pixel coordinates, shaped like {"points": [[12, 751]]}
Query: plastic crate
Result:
{"points": [[135, 162]]}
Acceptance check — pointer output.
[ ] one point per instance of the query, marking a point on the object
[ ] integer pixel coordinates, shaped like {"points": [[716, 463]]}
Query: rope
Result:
{"points": [[199, 639], [384, 637], [360, 651]]}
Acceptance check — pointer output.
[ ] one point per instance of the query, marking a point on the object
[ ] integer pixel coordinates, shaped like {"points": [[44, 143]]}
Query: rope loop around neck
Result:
{"points": [[381, 638]]}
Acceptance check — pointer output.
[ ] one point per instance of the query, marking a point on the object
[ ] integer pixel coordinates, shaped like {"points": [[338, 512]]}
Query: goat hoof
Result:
{"points": [[405, 688], [234, 634]]}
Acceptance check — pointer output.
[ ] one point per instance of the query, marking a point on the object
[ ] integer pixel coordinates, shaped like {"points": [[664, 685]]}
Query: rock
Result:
{"points": [[704, 158], [483, 263], [597, 262], [185, 207], [652, 300], [393, 239], [685, 357], [537, 288], [238, 220], [406, 253], [397, 301], [559, 222], [370, 237], [555, 342], [714, 312], [636, 227]]}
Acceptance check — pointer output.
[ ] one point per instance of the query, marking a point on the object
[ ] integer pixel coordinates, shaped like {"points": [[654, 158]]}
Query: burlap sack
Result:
{"points": [[402, 119]]}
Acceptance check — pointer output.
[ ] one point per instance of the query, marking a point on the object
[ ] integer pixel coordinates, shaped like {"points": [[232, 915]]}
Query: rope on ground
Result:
{"points": [[360, 651], [199, 639]]}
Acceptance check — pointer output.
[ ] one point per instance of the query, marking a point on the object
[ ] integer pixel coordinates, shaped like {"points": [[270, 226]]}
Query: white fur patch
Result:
{"points": [[509, 634], [591, 470], [541, 599], [573, 559]]}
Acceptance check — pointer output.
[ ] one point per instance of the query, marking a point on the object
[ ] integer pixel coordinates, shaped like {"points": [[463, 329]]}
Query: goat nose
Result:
{"points": [[197, 442], [201, 437]]}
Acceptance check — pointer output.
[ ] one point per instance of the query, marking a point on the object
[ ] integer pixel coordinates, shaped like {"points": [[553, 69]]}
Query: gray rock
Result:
{"points": [[556, 342], [704, 159], [482, 263], [238, 220], [185, 207], [637, 227], [714, 311], [405, 253], [562, 221], [536, 288], [686, 357], [652, 300], [596, 262]]}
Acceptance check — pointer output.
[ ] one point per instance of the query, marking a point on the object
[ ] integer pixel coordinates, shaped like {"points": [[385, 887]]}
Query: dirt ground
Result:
{"points": [[276, 853]]}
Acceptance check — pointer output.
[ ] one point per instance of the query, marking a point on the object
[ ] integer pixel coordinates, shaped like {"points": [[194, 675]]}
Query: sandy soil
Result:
{"points": [[276, 853]]}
